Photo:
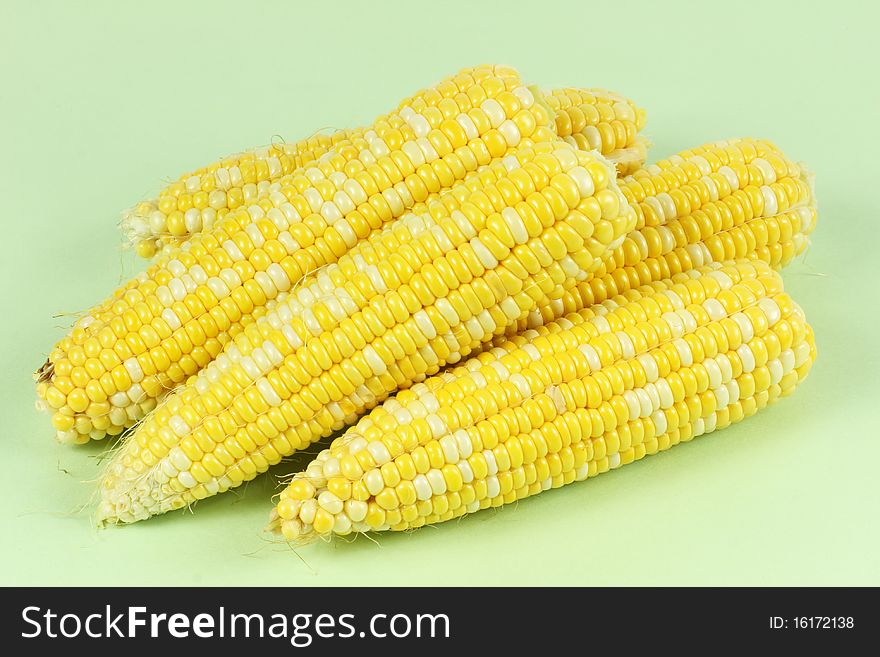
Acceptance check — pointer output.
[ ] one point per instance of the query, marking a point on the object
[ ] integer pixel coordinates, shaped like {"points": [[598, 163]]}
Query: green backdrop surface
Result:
{"points": [[101, 103]]}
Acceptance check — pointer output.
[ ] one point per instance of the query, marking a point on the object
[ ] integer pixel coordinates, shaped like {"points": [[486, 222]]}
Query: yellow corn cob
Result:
{"points": [[726, 200], [591, 119], [595, 391], [401, 304], [170, 321]]}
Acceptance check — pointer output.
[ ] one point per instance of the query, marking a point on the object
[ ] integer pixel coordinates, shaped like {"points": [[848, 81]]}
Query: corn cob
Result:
{"points": [[591, 119], [169, 322], [594, 391], [726, 200], [401, 304]]}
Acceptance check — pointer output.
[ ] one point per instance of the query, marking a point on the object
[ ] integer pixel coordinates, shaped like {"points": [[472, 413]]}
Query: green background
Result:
{"points": [[102, 103]]}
